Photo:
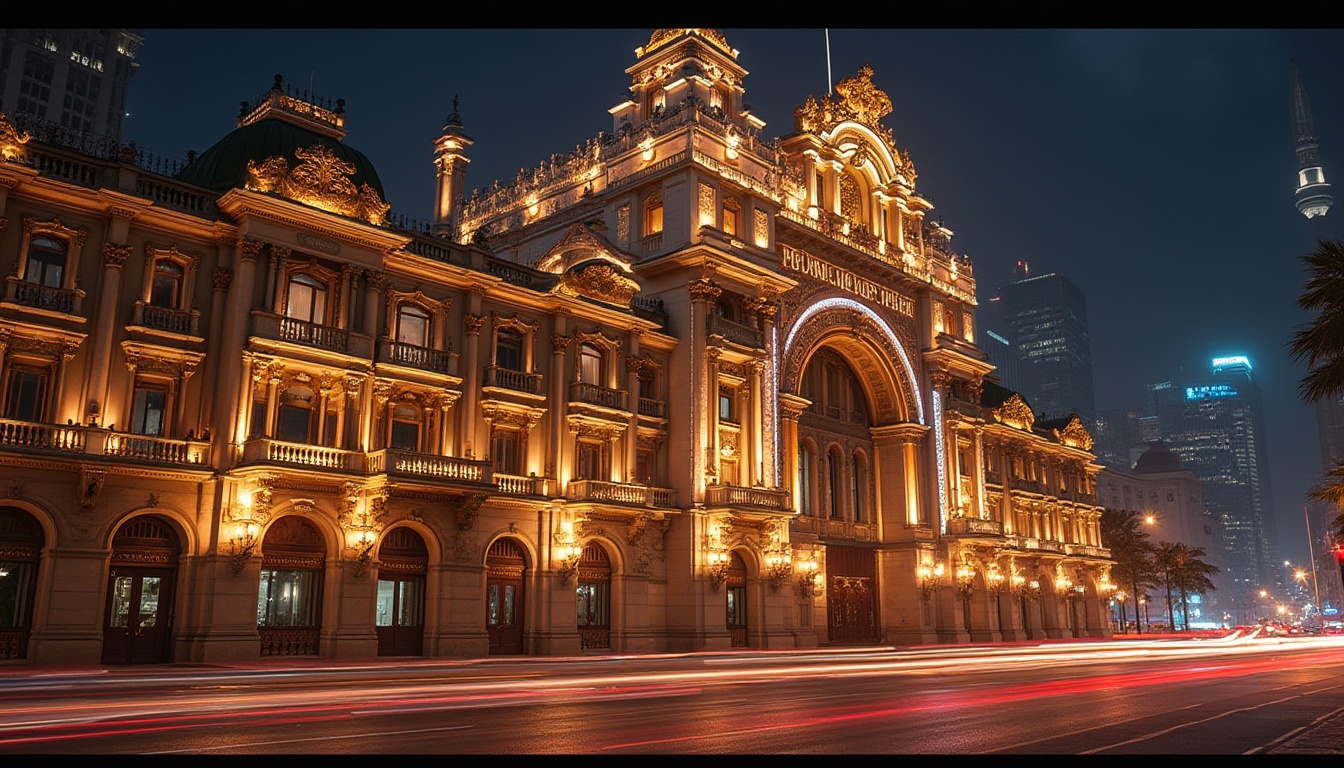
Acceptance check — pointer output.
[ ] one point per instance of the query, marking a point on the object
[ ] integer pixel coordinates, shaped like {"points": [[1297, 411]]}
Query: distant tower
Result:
{"points": [[1313, 195], [77, 79], [451, 160]]}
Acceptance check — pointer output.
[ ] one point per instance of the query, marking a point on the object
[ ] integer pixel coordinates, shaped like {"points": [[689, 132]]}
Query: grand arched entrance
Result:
{"points": [[142, 580], [594, 598], [289, 597], [21, 542], [403, 560], [504, 566], [737, 601]]}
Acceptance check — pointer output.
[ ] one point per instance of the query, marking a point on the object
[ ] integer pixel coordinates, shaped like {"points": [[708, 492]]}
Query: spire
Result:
{"points": [[1312, 193]]}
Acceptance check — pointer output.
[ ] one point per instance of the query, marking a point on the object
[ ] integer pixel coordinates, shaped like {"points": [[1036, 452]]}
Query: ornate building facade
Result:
{"points": [[683, 389]]}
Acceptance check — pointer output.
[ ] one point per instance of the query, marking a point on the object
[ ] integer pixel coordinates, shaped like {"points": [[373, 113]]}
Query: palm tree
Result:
{"points": [[1321, 344], [1122, 532], [1164, 562], [1193, 576]]}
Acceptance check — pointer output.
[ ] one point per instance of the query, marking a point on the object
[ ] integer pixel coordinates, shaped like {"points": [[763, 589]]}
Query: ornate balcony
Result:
{"points": [[66, 301], [739, 496], [655, 409], [517, 485], [517, 381], [412, 356], [592, 394], [181, 322], [313, 335], [393, 461], [734, 332], [621, 493], [974, 526], [96, 441], [264, 450]]}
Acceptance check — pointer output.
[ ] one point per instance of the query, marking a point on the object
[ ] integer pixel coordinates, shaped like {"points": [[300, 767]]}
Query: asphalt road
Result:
{"points": [[1249, 696]]}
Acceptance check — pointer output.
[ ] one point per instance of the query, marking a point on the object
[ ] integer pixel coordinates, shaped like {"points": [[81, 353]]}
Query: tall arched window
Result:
{"points": [[509, 349], [653, 214], [165, 290], [805, 480], [405, 432], [856, 485], [836, 475], [46, 262]]}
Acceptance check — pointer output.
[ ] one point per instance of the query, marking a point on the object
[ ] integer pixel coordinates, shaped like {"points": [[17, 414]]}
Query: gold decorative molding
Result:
{"points": [[1016, 413], [862, 102], [1075, 435], [320, 180], [12, 141], [662, 37], [601, 282]]}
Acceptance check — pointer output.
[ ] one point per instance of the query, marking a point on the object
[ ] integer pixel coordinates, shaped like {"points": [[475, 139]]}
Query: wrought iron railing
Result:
{"points": [[583, 392], [515, 380]]}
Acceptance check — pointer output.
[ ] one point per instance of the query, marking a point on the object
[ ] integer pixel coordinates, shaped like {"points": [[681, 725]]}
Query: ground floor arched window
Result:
{"points": [[289, 597], [21, 542], [594, 597]]}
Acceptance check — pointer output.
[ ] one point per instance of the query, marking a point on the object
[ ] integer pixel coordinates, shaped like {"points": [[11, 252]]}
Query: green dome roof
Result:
{"points": [[279, 125]]}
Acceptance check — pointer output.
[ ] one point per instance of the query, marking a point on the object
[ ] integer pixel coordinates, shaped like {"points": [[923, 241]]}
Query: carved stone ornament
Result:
{"points": [[321, 180], [662, 37], [862, 102], [90, 485], [1015, 413], [12, 141], [598, 281], [1075, 434]]}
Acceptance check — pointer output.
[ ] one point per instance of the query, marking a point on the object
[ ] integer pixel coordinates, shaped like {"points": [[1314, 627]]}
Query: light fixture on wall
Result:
{"points": [[359, 543], [779, 566], [965, 580], [807, 576], [241, 546], [930, 577], [566, 551]]}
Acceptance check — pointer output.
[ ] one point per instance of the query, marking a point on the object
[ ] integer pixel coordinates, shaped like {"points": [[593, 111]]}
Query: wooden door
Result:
{"points": [[504, 597], [403, 560], [141, 582]]}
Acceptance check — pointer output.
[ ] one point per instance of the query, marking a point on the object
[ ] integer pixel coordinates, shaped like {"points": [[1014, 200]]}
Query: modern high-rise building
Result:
{"points": [[1215, 424], [1044, 318], [687, 388], [1121, 436], [70, 80]]}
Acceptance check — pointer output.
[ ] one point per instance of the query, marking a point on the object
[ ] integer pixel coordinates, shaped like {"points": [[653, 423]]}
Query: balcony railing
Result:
{"points": [[413, 356], [736, 495], [266, 450], [840, 529], [515, 380], [621, 493], [426, 465], [974, 526], [582, 392], [160, 449], [67, 301], [734, 332], [51, 437], [654, 408], [96, 441], [180, 321], [276, 327], [517, 485]]}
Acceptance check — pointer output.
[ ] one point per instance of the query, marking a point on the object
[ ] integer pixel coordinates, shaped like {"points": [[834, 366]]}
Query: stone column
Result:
{"points": [[374, 282], [114, 259], [220, 277], [757, 412], [633, 363], [705, 390], [276, 290], [555, 462], [230, 412], [471, 385]]}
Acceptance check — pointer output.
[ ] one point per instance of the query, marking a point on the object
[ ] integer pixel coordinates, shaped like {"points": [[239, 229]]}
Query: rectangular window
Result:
{"points": [[151, 405], [287, 598], [726, 411], [506, 450], [589, 461], [25, 394]]}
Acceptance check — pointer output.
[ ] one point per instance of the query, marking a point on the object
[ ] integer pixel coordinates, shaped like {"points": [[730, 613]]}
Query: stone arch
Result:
{"points": [[868, 343], [181, 526]]}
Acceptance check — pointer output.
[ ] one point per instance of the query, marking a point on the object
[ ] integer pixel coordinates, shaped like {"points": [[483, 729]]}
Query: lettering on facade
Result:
{"points": [[318, 244], [807, 264]]}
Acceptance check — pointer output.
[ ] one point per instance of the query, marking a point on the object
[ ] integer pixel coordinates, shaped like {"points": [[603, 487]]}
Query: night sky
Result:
{"points": [[1154, 168]]}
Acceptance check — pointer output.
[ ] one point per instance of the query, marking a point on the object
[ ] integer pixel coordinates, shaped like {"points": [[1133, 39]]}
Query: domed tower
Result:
{"points": [[1312, 194], [293, 148]]}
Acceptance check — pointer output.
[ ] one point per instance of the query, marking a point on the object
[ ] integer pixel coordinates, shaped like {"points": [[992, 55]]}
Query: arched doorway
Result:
{"points": [[289, 597], [143, 574], [737, 601], [594, 597], [21, 542], [504, 566], [403, 560]]}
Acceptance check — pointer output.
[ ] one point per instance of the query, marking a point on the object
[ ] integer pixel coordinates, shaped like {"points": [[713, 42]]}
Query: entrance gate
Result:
{"points": [[139, 624]]}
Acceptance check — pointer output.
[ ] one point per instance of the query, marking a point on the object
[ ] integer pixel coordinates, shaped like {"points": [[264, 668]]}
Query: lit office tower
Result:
{"points": [[71, 80], [1216, 427], [1045, 318]]}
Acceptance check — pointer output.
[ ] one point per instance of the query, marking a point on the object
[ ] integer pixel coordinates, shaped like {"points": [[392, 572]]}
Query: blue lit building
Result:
{"points": [[1215, 425]]}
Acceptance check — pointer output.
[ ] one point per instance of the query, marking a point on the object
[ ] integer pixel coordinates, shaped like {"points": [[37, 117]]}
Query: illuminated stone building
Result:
{"points": [[683, 389]]}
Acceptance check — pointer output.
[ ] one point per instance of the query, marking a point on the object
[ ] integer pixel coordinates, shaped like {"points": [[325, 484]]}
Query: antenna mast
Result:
{"points": [[828, 61]]}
